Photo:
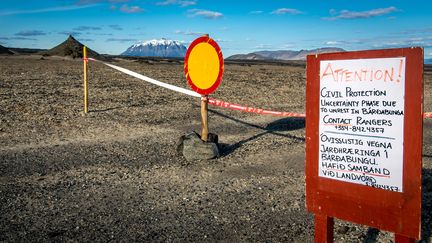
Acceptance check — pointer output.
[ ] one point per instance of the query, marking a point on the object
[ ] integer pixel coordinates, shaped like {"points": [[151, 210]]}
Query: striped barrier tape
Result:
{"points": [[153, 81], [231, 106], [211, 101]]}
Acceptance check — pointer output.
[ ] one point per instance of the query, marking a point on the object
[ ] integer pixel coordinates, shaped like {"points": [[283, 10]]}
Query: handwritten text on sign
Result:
{"points": [[361, 121]]}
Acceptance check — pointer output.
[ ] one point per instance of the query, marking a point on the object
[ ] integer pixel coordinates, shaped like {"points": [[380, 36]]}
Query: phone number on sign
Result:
{"points": [[360, 129]]}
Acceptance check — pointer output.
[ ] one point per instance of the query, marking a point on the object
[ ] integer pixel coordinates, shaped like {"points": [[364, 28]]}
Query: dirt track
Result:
{"points": [[114, 174]]}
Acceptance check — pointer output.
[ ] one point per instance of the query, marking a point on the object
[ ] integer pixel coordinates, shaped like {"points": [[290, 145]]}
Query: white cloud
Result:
{"points": [[346, 14], [380, 42], [85, 40], [73, 33], [256, 12], [333, 43], [121, 40], [86, 2], [45, 10], [186, 3], [403, 42], [222, 40], [87, 27], [182, 3], [264, 46], [417, 31], [282, 11], [115, 27], [18, 38], [205, 13], [133, 9], [289, 45], [193, 33], [30, 33]]}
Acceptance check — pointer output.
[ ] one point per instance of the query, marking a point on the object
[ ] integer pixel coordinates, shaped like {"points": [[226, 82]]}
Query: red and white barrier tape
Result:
{"points": [[153, 81], [228, 105], [211, 101]]}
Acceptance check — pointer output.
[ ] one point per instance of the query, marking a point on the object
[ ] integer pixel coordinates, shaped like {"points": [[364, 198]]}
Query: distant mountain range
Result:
{"points": [[166, 48], [283, 54], [156, 48]]}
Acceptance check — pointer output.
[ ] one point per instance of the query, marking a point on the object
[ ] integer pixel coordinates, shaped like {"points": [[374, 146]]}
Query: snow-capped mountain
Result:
{"points": [[156, 48]]}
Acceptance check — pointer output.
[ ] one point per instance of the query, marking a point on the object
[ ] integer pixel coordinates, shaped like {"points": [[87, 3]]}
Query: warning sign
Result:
{"points": [[204, 65], [361, 121], [364, 127]]}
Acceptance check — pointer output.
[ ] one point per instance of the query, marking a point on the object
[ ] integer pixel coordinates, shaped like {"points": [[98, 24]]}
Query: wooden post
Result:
{"points": [[204, 118], [323, 228], [85, 80], [403, 239], [204, 114]]}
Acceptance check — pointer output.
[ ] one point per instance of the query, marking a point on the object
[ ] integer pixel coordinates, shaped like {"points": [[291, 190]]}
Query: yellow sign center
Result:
{"points": [[203, 65]]}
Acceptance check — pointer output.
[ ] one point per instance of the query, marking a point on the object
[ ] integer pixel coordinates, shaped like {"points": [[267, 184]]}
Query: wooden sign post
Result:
{"points": [[364, 140], [204, 118], [203, 67], [85, 60]]}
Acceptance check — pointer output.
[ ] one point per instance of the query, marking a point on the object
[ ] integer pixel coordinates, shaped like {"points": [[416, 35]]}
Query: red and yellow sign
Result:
{"points": [[204, 65]]}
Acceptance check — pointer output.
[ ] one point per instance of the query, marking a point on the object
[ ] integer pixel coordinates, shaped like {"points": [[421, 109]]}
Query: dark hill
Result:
{"points": [[18, 50], [250, 56], [71, 47], [4, 50]]}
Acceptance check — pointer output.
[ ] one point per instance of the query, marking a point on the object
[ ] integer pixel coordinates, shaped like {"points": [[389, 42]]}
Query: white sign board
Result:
{"points": [[361, 121]]}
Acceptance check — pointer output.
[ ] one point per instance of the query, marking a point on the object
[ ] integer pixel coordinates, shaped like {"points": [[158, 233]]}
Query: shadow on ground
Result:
{"points": [[274, 128]]}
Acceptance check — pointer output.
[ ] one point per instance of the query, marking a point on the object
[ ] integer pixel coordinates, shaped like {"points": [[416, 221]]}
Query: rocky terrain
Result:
{"points": [[115, 175]]}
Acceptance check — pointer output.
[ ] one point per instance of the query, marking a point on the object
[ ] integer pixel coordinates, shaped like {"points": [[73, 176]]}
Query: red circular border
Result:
{"points": [[204, 39]]}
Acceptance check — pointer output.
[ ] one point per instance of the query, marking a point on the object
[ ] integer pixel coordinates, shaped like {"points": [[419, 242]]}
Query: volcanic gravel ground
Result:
{"points": [[114, 174]]}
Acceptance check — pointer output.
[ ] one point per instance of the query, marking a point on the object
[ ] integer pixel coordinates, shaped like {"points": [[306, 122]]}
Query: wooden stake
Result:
{"points": [[204, 118], [323, 228], [204, 114], [85, 80]]}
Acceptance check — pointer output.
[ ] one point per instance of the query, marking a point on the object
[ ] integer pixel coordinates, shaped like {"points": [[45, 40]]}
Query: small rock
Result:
{"points": [[55, 233], [194, 149], [343, 229]]}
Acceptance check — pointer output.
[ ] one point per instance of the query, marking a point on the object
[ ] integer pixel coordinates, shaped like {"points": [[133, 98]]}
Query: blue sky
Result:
{"points": [[110, 26]]}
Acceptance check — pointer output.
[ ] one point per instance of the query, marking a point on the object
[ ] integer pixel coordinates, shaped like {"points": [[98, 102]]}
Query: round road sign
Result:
{"points": [[204, 65]]}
